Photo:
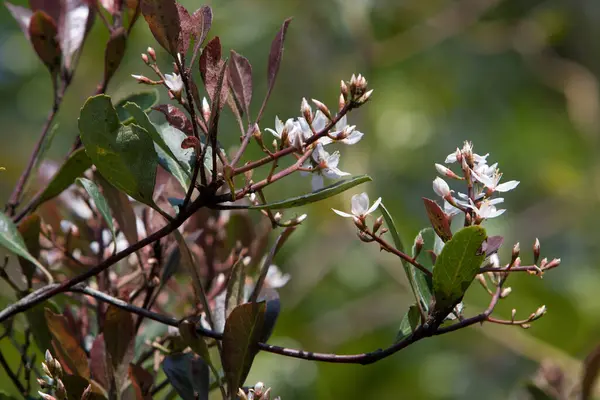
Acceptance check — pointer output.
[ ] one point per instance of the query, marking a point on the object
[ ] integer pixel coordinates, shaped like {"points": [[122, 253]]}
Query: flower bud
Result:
{"points": [[525, 326], [151, 52], [306, 111], [441, 188], [513, 314], [539, 312], [341, 102], [377, 224], [419, 243], [205, 109], [259, 388], [444, 171], [515, 251], [365, 97], [60, 391], [505, 292], [145, 58], [48, 357], [299, 219], [322, 107], [277, 216], [344, 90], [536, 251], [142, 79], [46, 370], [43, 383], [58, 372]]}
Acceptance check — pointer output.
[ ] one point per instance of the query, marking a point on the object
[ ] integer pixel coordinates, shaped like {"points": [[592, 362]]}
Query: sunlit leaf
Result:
{"points": [[322, 194], [457, 265], [124, 155], [72, 357], [75, 166], [11, 239], [243, 331], [144, 100]]}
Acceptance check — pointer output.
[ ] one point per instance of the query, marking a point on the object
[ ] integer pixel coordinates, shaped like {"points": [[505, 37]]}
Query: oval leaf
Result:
{"points": [[188, 374], [69, 351], [321, 194], [74, 26], [43, 36], [162, 17], [175, 117], [119, 339], [11, 239], [457, 265], [438, 218], [240, 80], [203, 21], [144, 100], [124, 155], [243, 330]]}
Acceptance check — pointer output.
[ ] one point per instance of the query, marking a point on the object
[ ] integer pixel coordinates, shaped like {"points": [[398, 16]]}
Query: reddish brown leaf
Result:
{"points": [[54, 8], [210, 69], [22, 15], [43, 36], [98, 369], [30, 228], [119, 335], [591, 367], [275, 60], [240, 80], [175, 117], [188, 29], [74, 23], [439, 220], [162, 17], [114, 52], [203, 21], [69, 351], [141, 381], [191, 142]]}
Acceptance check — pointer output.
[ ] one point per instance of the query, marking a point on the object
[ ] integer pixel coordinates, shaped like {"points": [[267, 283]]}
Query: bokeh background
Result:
{"points": [[517, 77]]}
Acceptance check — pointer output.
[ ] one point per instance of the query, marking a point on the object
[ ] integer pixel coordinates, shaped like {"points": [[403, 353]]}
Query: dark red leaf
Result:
{"points": [[187, 28], [210, 69], [203, 21], [73, 26], [69, 352], [240, 80], [162, 17], [98, 368], [175, 117], [275, 60], [54, 8], [119, 338], [114, 52], [191, 142], [439, 220], [43, 36], [141, 381], [22, 15]]}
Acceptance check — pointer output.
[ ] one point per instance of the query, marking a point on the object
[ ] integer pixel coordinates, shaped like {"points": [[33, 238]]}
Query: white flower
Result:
{"points": [[326, 166], [278, 128], [360, 207], [467, 151], [275, 278], [440, 187], [492, 181], [174, 83], [487, 209], [342, 130]]}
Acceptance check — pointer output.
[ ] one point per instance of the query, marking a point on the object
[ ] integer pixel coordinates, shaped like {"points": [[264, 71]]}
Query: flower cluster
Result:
{"points": [[483, 181]]}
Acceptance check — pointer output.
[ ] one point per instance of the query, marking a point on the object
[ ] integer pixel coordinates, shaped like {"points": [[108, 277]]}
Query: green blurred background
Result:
{"points": [[517, 77]]}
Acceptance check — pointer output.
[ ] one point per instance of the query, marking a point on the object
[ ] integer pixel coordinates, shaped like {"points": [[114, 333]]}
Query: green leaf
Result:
{"points": [[75, 166], [144, 100], [423, 282], [37, 323], [30, 228], [124, 155], [409, 323], [101, 204], [45, 146], [171, 156], [68, 350], [187, 374], [418, 280], [11, 239], [243, 330], [321, 194], [457, 265], [536, 393]]}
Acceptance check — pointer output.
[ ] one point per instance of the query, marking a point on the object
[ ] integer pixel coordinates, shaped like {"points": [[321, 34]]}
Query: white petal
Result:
{"points": [[341, 124], [332, 160], [320, 121], [495, 213], [374, 206], [342, 214], [334, 173], [317, 182], [353, 138], [451, 158], [507, 186], [440, 187], [278, 125], [497, 200], [486, 180], [274, 133], [360, 204]]}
